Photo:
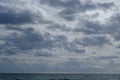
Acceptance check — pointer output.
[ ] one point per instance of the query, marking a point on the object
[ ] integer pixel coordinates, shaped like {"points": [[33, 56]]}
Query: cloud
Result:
{"points": [[59, 35], [77, 4], [39, 53], [60, 3], [15, 18], [89, 28], [72, 8], [30, 40], [113, 27], [56, 26], [106, 5], [73, 47], [68, 14], [25, 43], [10, 16], [93, 41], [106, 57]]}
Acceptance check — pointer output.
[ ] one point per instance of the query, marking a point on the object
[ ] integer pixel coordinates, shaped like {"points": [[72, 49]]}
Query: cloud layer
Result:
{"points": [[59, 36]]}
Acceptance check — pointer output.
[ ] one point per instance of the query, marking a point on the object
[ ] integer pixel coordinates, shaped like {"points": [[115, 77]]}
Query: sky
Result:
{"points": [[80, 36]]}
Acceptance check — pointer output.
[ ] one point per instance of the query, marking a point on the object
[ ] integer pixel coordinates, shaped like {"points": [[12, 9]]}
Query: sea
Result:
{"points": [[21, 76]]}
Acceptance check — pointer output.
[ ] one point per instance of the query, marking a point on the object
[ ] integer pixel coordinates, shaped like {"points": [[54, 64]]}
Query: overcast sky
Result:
{"points": [[60, 36]]}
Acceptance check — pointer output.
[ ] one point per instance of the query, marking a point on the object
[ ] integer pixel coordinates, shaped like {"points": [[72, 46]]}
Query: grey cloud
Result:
{"points": [[118, 46], [12, 16], [59, 3], [8, 60], [106, 5], [77, 50], [61, 41], [77, 4], [68, 14], [52, 2], [72, 47], [56, 26], [43, 54], [19, 38], [9, 16], [89, 28], [72, 7], [105, 57], [8, 51], [14, 27], [113, 28], [93, 41], [30, 40], [25, 43]]}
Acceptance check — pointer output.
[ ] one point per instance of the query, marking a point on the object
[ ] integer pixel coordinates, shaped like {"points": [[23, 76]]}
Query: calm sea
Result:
{"points": [[59, 77]]}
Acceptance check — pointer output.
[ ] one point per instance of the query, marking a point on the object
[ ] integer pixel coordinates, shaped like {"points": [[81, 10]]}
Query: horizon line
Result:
{"points": [[56, 73]]}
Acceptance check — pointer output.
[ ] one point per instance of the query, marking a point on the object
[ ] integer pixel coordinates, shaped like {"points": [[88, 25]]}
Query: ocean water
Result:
{"points": [[59, 76]]}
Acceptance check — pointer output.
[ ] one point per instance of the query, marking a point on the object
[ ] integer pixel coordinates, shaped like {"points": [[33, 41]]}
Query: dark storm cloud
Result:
{"points": [[93, 41]]}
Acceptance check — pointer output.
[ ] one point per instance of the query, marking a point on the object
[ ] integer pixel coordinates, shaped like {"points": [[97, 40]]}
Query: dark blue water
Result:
{"points": [[59, 77]]}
